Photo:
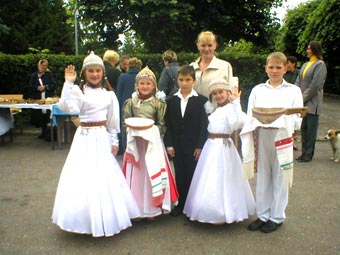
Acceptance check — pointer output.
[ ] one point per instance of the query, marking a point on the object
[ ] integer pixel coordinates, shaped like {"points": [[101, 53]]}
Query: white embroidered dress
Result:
{"points": [[92, 195], [218, 194]]}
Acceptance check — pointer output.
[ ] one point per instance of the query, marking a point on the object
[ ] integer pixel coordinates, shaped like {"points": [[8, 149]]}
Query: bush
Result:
{"points": [[16, 70]]}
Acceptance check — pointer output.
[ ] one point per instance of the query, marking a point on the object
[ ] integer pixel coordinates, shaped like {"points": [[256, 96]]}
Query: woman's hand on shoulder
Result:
{"points": [[70, 73]]}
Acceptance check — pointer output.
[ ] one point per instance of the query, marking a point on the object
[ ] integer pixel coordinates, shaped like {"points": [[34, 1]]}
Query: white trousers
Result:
{"points": [[271, 195]]}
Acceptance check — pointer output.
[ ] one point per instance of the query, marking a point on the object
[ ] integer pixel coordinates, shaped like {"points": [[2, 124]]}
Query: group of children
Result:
{"points": [[95, 196]]}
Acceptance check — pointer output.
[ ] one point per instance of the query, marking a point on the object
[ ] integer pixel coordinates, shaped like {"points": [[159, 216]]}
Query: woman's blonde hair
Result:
{"points": [[111, 56], [135, 63], [170, 56], [206, 36]]}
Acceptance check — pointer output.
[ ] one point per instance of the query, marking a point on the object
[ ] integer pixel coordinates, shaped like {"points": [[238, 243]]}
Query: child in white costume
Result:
{"points": [[268, 148], [92, 195], [218, 194], [146, 165]]}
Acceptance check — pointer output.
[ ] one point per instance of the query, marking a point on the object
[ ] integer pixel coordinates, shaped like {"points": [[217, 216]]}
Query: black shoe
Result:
{"points": [[270, 226], [256, 225], [176, 212], [299, 157], [304, 159]]}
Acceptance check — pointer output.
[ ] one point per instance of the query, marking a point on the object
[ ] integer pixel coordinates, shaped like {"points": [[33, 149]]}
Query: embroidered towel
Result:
{"points": [[283, 144]]}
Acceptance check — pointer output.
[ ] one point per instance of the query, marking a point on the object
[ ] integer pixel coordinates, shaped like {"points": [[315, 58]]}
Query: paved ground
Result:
{"points": [[29, 175]]}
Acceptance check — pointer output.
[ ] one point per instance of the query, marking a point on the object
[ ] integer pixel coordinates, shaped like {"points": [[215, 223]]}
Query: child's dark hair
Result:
{"points": [[292, 59], [187, 70]]}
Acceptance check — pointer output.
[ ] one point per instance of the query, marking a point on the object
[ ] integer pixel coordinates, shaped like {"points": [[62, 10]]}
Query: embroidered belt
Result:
{"points": [[93, 124], [213, 136]]}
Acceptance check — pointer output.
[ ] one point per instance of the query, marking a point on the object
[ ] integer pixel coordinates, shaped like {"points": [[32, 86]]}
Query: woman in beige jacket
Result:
{"points": [[208, 66]]}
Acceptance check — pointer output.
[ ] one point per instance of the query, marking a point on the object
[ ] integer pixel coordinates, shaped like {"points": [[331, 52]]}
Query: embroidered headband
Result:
{"points": [[218, 84], [146, 73]]}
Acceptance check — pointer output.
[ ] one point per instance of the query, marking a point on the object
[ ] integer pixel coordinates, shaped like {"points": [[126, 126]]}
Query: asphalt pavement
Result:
{"points": [[30, 171]]}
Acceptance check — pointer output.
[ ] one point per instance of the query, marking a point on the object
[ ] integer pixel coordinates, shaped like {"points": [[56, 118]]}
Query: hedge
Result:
{"points": [[17, 69]]}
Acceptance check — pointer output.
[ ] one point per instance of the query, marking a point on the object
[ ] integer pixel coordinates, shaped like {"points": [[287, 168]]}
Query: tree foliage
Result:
{"points": [[34, 24], [163, 24], [314, 20], [295, 23], [324, 25]]}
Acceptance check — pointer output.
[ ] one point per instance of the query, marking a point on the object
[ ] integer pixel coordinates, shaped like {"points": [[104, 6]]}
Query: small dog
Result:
{"points": [[333, 136]]}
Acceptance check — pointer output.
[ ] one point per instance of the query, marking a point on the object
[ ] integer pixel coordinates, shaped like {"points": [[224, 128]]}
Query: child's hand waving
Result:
{"points": [[234, 93], [70, 73]]}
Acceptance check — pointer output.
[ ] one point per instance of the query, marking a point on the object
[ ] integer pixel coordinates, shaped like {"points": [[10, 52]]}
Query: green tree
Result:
{"points": [[294, 25], [132, 44], [314, 20], [324, 25], [163, 24], [35, 24]]}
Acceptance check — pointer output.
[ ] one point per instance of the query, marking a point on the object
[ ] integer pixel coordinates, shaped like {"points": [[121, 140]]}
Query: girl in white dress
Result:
{"points": [[92, 195], [218, 194]]}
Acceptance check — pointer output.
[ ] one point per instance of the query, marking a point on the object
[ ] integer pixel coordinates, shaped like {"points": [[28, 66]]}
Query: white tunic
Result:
{"points": [[92, 195], [218, 194], [271, 193]]}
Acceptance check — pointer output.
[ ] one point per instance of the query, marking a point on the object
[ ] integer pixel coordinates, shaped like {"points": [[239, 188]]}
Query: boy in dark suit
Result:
{"points": [[186, 123]]}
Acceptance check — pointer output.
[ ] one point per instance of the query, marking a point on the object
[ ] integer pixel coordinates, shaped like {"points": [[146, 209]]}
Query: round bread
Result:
{"points": [[49, 100], [139, 123]]}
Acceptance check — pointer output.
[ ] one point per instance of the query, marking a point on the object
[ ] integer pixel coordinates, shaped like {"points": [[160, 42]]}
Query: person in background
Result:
{"points": [[186, 131], [208, 66], [92, 195], [110, 59], [126, 86], [268, 148], [123, 63], [43, 85], [311, 80], [291, 74], [292, 71], [168, 80]]}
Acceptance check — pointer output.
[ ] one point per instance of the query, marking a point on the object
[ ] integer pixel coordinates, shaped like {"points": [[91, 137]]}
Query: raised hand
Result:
{"points": [[70, 73], [234, 93]]}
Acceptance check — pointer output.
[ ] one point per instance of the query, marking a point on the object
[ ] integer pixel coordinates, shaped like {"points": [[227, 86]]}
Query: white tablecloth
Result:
{"points": [[28, 106], [6, 119], [56, 116]]}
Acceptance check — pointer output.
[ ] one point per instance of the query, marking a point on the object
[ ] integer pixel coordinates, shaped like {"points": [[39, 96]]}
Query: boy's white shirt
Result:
{"points": [[265, 95], [184, 101]]}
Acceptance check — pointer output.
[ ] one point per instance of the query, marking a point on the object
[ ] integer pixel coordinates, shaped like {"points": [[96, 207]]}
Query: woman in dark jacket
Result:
{"points": [[43, 84], [125, 88], [168, 80]]}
